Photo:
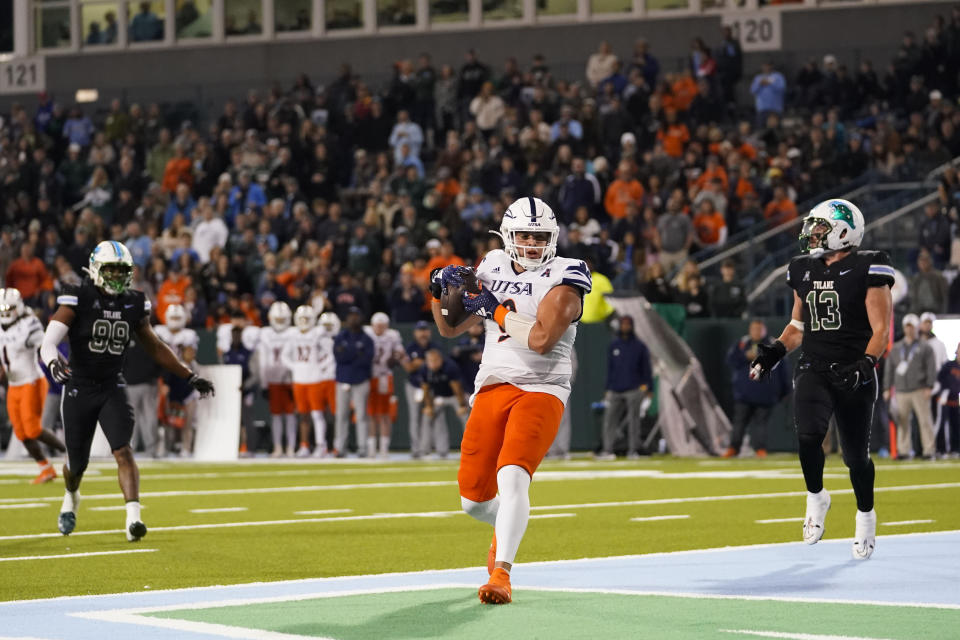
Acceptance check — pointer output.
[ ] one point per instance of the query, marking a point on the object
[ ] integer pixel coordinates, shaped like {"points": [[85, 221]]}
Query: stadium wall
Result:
{"points": [[207, 75]]}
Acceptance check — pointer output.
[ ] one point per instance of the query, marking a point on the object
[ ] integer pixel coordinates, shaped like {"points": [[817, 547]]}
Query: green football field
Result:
{"points": [[267, 522]]}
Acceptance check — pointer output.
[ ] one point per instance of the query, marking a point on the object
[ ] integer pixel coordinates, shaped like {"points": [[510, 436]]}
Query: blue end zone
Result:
{"points": [[905, 570]]}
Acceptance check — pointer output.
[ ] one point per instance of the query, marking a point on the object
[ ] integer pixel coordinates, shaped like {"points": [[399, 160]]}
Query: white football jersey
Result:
{"points": [[385, 347], [270, 354], [179, 340], [505, 359], [248, 337], [18, 350], [309, 356]]}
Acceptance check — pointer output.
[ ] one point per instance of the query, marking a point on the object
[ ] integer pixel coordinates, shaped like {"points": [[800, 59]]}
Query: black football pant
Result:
{"points": [[82, 405], [816, 400], [745, 415]]}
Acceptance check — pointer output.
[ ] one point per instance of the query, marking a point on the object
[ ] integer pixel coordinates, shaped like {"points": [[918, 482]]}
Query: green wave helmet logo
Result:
{"points": [[842, 212]]}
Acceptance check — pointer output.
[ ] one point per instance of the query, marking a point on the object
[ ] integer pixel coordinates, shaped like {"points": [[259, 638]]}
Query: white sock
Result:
{"points": [[319, 429], [384, 444], [514, 511], [276, 429], [482, 511], [71, 500], [371, 445], [291, 420], [133, 512]]}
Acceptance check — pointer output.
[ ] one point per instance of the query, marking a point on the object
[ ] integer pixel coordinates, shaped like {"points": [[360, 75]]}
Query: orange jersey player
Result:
{"points": [[531, 302], [20, 336]]}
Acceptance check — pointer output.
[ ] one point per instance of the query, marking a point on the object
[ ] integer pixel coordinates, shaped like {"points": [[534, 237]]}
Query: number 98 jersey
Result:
{"points": [[833, 298], [101, 328]]}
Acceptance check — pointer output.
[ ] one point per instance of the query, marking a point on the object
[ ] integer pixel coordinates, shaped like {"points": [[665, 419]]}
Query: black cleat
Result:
{"points": [[67, 522], [136, 530]]}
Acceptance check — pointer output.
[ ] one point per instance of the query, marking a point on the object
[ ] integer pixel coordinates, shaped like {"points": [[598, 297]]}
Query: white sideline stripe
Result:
{"points": [[219, 510], [539, 563], [77, 555], [21, 638], [553, 515], [453, 483], [115, 507], [188, 626], [443, 514], [213, 475], [776, 520], [654, 518], [322, 512], [904, 522], [794, 636], [25, 505]]}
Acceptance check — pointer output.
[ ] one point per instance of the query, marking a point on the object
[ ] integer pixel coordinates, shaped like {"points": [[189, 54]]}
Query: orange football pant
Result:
{"points": [[507, 426], [25, 406]]}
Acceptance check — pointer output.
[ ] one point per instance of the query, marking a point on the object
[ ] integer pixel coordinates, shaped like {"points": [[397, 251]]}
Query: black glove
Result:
{"points": [[768, 357], [436, 283], [59, 370], [202, 385], [853, 376]]}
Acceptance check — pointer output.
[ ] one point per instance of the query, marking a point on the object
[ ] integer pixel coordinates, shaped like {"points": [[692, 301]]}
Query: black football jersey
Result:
{"points": [[835, 323], [102, 328]]}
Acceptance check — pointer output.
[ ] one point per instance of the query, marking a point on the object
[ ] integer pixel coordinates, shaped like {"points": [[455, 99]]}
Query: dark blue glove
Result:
{"points": [[483, 303], [451, 276]]}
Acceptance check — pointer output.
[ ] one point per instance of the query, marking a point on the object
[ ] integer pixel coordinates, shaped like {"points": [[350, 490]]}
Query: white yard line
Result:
{"points": [[442, 514], [174, 624], [77, 555], [793, 636], [906, 522], [553, 515], [776, 520], [219, 510], [114, 507], [322, 512], [24, 505], [655, 518]]}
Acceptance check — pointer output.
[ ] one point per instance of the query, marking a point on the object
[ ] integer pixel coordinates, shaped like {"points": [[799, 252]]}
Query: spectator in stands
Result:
{"points": [[934, 234], [405, 132], [580, 189], [159, 156], [623, 191], [28, 275], [675, 235], [245, 196], [729, 66], [928, 288], [780, 209], [768, 88], [694, 297], [406, 300], [353, 351], [210, 232], [488, 109], [601, 65], [754, 399], [182, 204], [728, 297], [470, 79], [709, 226], [441, 388], [674, 136], [146, 25], [629, 381], [911, 372], [172, 290]]}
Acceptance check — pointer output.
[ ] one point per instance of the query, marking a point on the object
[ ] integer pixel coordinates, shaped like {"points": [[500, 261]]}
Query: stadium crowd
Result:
{"points": [[348, 195]]}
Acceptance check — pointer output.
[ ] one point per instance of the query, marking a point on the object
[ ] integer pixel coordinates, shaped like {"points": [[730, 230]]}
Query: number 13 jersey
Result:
{"points": [[101, 328], [505, 359], [833, 298]]}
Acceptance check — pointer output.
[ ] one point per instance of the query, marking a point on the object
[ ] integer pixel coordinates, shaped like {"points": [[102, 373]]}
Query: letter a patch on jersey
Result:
{"points": [[806, 277], [546, 273]]}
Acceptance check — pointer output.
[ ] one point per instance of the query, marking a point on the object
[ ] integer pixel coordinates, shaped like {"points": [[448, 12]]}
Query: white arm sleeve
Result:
{"points": [[518, 327], [55, 334]]}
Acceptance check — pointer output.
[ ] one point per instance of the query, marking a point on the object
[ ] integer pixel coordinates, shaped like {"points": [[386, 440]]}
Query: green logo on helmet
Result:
{"points": [[842, 212]]}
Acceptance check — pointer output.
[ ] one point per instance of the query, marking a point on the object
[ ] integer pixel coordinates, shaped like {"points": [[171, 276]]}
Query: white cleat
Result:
{"points": [[865, 538], [303, 452], [817, 506]]}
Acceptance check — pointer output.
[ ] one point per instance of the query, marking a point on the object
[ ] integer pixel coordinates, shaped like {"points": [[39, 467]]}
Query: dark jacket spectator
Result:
{"points": [[353, 351]]}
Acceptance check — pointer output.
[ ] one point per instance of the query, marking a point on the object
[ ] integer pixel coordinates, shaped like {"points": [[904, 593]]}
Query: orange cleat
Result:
{"points": [[761, 453], [497, 590], [46, 475], [729, 453], [492, 555]]}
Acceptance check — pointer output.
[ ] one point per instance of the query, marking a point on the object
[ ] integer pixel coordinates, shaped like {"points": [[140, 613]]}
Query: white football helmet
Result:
{"points": [[279, 316], [11, 306], [305, 318], [111, 267], [330, 322], [176, 317], [529, 215], [380, 318], [832, 225]]}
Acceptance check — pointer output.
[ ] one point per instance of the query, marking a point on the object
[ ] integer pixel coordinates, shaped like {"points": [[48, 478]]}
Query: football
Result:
{"points": [[451, 302]]}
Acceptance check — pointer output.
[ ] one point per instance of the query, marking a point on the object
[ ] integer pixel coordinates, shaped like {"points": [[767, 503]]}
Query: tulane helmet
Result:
{"points": [[111, 267], [832, 225], [529, 215]]}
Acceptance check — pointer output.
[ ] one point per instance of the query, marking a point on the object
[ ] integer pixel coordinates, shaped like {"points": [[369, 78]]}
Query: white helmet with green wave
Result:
{"points": [[832, 225]]}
